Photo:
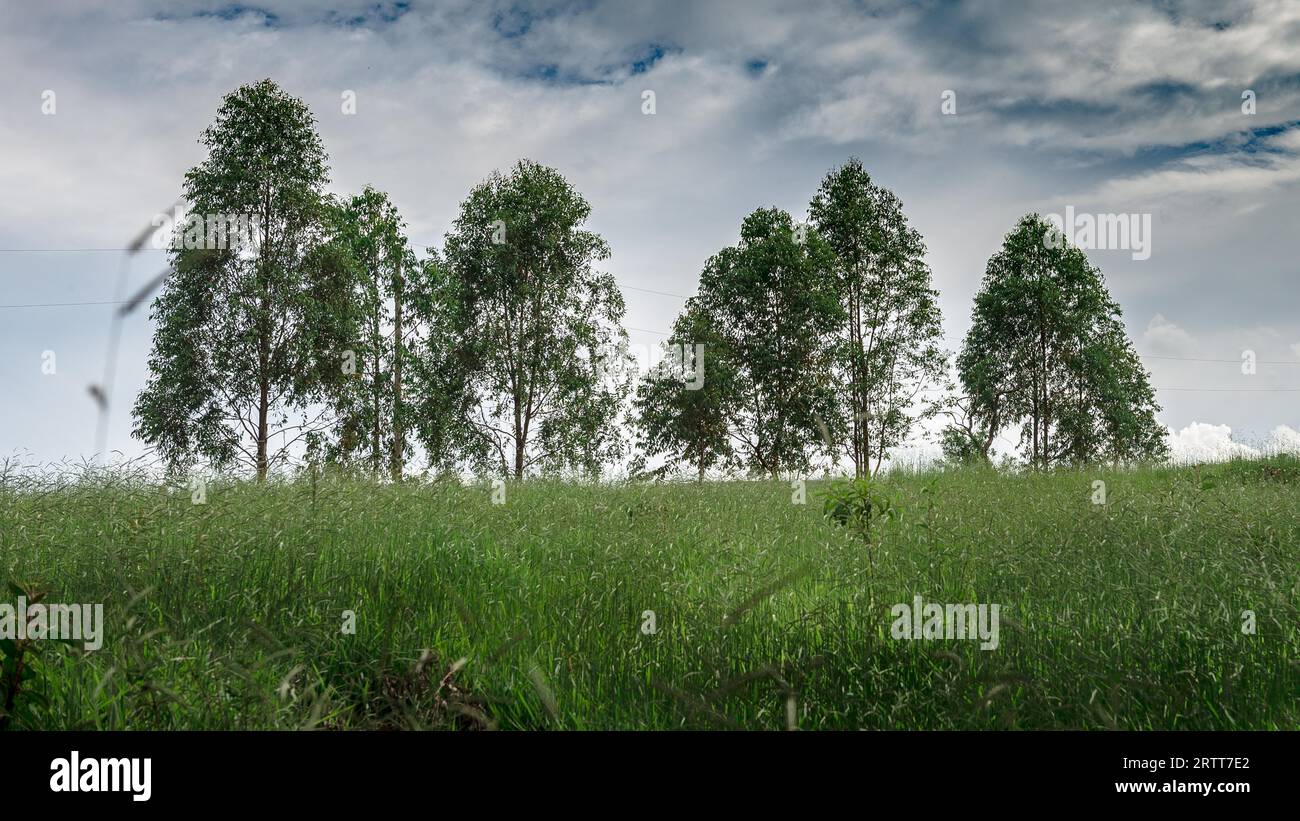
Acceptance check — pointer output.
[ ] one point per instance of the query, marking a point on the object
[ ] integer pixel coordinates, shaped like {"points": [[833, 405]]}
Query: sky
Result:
{"points": [[974, 114]]}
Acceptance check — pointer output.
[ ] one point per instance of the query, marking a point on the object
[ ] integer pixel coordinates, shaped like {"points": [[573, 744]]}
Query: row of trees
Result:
{"points": [[822, 340]]}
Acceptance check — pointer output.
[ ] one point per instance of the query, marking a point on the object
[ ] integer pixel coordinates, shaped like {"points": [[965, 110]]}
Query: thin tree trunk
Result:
{"points": [[264, 366], [866, 442], [376, 446], [853, 381], [1034, 449], [1046, 453], [994, 419], [263, 398], [397, 464], [263, 385], [861, 438]]}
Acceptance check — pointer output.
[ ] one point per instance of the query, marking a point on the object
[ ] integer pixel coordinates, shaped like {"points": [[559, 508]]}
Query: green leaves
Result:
{"points": [[888, 352], [511, 365], [233, 330], [18, 665], [771, 303], [1047, 350], [690, 425], [362, 297], [855, 504]]}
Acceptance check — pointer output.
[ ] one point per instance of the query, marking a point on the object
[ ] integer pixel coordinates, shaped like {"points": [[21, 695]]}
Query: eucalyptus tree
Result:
{"points": [[684, 407], [372, 426], [235, 361], [772, 304], [890, 351], [519, 320], [1047, 350]]}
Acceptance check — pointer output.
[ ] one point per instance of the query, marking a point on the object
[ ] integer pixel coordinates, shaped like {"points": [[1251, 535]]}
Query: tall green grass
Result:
{"points": [[530, 614]]}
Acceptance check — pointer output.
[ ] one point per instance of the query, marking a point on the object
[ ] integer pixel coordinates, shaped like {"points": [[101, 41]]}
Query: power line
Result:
{"points": [[74, 250], [649, 291], [124, 301], [1227, 361], [66, 304], [1233, 390], [110, 250]]}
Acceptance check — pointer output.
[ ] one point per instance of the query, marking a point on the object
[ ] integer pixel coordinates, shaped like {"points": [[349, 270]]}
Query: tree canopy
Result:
{"points": [[524, 319], [232, 358], [293, 317], [1047, 350], [889, 350], [771, 302]]}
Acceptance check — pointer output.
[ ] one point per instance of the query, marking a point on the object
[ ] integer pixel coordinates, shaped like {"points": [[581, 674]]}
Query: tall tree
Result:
{"points": [[1046, 349], [890, 350], [684, 411], [233, 362], [436, 397], [772, 303], [369, 406], [522, 320]]}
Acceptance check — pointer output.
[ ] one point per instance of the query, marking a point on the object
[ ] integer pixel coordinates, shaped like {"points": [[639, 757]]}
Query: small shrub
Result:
{"points": [[854, 504]]}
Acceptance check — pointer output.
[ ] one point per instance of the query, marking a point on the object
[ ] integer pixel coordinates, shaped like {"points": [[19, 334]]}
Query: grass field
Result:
{"points": [[529, 614]]}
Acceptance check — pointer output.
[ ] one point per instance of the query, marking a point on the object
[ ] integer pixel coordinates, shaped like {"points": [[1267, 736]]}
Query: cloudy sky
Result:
{"points": [[1107, 108]]}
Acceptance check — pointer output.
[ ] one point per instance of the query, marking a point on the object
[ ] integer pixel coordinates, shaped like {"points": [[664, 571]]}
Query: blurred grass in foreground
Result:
{"points": [[229, 615]]}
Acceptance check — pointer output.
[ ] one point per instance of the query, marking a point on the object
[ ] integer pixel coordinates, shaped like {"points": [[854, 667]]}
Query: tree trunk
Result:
{"points": [[376, 446], [263, 398], [865, 473], [994, 420], [1034, 450], [263, 381], [397, 463], [860, 434]]}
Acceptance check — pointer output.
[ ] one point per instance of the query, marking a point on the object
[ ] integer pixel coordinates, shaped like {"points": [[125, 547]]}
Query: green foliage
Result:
{"points": [[23, 692], [521, 323], [889, 353], [689, 419], [236, 342], [959, 446], [1046, 349], [854, 504], [371, 425], [969, 437], [772, 304], [228, 615]]}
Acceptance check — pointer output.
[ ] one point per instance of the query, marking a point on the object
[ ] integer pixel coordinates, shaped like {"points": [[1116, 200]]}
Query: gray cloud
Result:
{"points": [[1108, 107]]}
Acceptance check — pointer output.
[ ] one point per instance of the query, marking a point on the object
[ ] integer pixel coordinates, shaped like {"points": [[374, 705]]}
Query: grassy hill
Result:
{"points": [[532, 613]]}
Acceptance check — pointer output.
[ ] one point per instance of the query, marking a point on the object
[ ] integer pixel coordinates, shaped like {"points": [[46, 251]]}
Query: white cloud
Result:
{"points": [[1285, 439], [1167, 339], [1201, 442], [1240, 174]]}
